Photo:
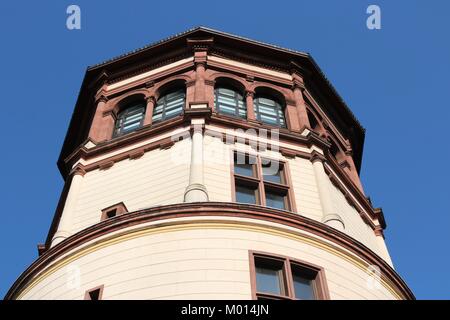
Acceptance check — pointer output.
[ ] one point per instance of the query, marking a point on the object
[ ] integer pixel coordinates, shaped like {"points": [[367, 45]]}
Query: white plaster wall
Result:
{"points": [[354, 225], [198, 263], [159, 177], [305, 188]]}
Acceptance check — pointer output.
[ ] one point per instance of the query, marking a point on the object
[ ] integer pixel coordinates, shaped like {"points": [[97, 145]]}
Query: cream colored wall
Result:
{"points": [[161, 176], [196, 258], [217, 169], [305, 188], [157, 178], [354, 225], [218, 182]]}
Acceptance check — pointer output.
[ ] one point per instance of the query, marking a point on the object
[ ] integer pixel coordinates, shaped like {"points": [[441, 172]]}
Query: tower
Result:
{"points": [[210, 166]]}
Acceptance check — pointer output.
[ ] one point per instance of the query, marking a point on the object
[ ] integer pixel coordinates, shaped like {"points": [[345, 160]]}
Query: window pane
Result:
{"points": [[268, 280], [271, 172], [169, 105], [303, 287], [230, 102], [244, 165], [244, 169], [129, 119], [245, 194], [269, 111], [274, 200]]}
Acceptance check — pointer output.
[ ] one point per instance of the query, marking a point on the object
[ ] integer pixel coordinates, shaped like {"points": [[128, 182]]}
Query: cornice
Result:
{"points": [[210, 209]]}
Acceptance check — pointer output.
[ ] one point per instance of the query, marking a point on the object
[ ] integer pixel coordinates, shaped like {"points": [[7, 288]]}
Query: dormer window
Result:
{"points": [[229, 102], [130, 118], [113, 211], [269, 111], [169, 105]]}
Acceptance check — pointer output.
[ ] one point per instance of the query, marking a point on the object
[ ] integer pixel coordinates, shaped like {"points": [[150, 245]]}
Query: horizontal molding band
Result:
{"points": [[217, 209]]}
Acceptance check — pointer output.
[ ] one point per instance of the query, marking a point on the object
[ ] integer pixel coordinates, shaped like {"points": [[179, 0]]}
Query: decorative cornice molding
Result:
{"points": [[316, 156], [78, 170]]}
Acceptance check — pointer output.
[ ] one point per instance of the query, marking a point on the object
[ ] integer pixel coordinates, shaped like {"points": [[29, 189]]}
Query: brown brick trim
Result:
{"points": [[119, 208]]}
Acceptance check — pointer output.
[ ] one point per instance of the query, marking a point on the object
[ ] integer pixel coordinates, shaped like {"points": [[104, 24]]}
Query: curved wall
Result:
{"points": [[197, 257]]}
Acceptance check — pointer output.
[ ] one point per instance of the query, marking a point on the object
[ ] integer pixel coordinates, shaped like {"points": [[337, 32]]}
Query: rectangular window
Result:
{"points": [[303, 283], [261, 181], [94, 293], [113, 211], [285, 278], [270, 278]]}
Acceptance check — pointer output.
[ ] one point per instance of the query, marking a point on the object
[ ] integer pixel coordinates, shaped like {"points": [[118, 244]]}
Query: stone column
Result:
{"points": [[200, 67], [330, 216], [102, 124], [249, 95], [196, 190], [292, 117], [209, 93], [65, 223], [300, 106], [151, 101]]}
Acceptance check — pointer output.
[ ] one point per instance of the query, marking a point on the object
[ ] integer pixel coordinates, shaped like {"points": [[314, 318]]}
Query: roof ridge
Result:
{"points": [[180, 34]]}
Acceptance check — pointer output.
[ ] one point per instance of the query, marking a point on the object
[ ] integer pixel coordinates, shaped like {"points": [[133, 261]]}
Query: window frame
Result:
{"points": [[279, 106], [237, 93], [320, 286], [257, 181], [119, 207], [122, 114], [164, 98], [87, 294]]}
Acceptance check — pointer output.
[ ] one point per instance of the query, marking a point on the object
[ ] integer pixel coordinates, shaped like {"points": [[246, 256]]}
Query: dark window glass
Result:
{"points": [[95, 294], [130, 119], [244, 169], [111, 213], [244, 165], [229, 101], [303, 285], [269, 278], [269, 111], [274, 200], [245, 194], [272, 172], [169, 105]]}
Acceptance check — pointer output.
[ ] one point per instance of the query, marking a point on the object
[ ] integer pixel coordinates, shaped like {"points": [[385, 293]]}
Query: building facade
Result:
{"points": [[209, 166]]}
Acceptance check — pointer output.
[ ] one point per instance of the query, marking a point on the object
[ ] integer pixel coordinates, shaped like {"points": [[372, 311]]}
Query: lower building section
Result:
{"points": [[209, 251]]}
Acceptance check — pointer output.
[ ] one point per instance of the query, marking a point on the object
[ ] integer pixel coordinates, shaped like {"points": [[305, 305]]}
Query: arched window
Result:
{"points": [[130, 118], [169, 105], [269, 111], [230, 102]]}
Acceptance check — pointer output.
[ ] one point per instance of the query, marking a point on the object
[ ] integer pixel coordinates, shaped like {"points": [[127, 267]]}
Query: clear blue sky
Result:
{"points": [[396, 81]]}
